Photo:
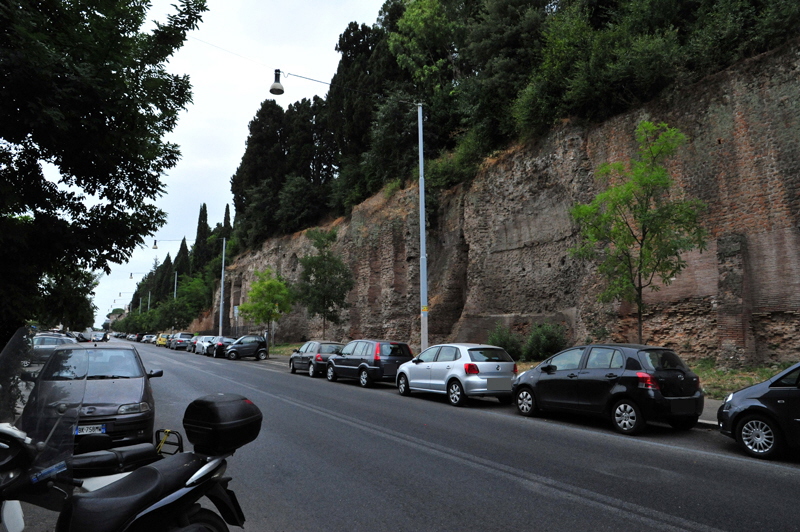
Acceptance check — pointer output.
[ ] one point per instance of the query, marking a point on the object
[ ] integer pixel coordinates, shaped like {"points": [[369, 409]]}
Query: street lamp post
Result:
{"points": [[277, 89]]}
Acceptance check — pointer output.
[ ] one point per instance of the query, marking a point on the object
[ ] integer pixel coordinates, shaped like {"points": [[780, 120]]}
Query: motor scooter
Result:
{"points": [[124, 489]]}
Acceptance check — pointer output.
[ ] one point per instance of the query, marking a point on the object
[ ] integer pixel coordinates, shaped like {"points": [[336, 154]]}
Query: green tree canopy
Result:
{"points": [[638, 228], [86, 92], [267, 300]]}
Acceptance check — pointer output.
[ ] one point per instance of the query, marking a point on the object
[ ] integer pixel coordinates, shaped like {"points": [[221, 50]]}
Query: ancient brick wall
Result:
{"points": [[498, 247]]}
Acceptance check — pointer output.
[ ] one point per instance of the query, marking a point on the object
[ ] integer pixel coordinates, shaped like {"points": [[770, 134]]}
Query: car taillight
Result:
{"points": [[646, 381], [377, 352], [318, 358], [471, 369], [515, 369]]}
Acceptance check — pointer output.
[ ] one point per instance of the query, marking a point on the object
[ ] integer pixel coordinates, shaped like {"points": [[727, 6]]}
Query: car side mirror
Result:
{"points": [[549, 368], [155, 373], [416, 360], [295, 350], [28, 376]]}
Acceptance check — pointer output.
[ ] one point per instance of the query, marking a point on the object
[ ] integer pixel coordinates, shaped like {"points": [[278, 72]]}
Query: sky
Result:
{"points": [[231, 59]]}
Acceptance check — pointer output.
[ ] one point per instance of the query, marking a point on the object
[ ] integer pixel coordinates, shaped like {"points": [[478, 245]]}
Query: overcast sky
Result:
{"points": [[231, 60]]}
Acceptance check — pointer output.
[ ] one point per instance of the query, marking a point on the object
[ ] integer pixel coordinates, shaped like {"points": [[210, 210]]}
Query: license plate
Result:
{"points": [[81, 430], [499, 383]]}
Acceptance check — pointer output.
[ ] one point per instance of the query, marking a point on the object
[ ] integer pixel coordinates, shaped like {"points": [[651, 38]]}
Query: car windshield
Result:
{"points": [[660, 359], [93, 364], [489, 354]]}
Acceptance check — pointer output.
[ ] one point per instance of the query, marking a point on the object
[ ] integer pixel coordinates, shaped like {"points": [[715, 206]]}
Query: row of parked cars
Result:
{"points": [[628, 384], [249, 345]]}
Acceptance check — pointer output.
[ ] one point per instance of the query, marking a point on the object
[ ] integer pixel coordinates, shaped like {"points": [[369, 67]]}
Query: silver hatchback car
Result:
{"points": [[459, 371]]}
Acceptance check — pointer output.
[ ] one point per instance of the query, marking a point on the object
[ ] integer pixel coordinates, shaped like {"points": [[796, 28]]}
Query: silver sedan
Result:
{"points": [[459, 371]]}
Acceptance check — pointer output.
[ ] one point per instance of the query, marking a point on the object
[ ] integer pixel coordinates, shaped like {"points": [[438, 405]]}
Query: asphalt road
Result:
{"points": [[334, 456]]}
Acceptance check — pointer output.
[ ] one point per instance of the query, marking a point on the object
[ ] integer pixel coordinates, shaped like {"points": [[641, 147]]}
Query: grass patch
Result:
{"points": [[719, 382], [284, 349]]}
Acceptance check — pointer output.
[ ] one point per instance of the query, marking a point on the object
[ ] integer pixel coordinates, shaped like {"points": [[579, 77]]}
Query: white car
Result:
{"points": [[149, 339], [459, 371]]}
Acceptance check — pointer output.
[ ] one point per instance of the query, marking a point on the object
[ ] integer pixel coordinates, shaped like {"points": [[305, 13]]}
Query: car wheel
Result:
{"points": [[455, 393], [261, 355], [759, 437], [526, 402], [311, 370], [330, 374], [291, 367], [402, 385], [626, 417], [364, 379], [233, 355], [683, 423]]}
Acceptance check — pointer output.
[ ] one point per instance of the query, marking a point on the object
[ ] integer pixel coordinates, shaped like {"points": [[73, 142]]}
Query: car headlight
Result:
{"points": [[133, 408], [729, 398]]}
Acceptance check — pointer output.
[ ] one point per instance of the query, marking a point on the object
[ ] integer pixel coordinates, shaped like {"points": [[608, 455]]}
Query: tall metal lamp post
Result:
{"points": [[277, 89]]}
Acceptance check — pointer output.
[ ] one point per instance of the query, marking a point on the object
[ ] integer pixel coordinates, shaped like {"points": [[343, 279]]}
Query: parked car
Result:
{"points": [[200, 344], [149, 339], [118, 400], [249, 345], [216, 348], [192, 347], [763, 418], [368, 361], [43, 346], [180, 340], [460, 371], [99, 336], [313, 357], [162, 340], [627, 383]]}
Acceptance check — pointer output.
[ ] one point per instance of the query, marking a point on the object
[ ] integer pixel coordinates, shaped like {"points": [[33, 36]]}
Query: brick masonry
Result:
{"points": [[498, 247]]}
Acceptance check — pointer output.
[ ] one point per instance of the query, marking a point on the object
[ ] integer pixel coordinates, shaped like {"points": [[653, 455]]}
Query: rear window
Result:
{"points": [[395, 350], [329, 348], [185, 335], [489, 354], [659, 359]]}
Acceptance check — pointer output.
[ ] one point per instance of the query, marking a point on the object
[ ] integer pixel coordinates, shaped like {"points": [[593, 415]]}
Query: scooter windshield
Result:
{"points": [[43, 401]]}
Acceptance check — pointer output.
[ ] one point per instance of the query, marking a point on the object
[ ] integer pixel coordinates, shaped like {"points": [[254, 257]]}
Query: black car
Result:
{"points": [[117, 398], [627, 383], [249, 345], [764, 418], [313, 356], [368, 361], [217, 345]]}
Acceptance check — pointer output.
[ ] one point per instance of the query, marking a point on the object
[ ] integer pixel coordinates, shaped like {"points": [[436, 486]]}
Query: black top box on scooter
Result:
{"points": [[221, 423]]}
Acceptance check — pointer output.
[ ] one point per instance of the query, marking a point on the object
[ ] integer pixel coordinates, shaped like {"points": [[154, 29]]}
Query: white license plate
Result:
{"points": [[499, 383], [81, 430]]}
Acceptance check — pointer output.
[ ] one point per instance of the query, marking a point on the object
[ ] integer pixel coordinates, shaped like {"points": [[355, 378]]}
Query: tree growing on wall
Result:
{"points": [[267, 300], [325, 280], [640, 225]]}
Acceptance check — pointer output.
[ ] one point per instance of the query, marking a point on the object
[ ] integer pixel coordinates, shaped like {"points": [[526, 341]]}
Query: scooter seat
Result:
{"points": [[109, 508], [111, 461]]}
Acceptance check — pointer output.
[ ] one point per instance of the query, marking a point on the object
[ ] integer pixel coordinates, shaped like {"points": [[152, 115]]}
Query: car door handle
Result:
{"points": [[611, 375], [572, 375], [781, 401]]}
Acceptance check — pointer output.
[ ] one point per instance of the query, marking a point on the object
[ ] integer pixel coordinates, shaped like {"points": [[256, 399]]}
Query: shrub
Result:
{"points": [[544, 340], [504, 337]]}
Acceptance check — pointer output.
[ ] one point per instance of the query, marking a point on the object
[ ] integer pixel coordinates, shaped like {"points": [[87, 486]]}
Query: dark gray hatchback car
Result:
{"points": [[368, 361], [627, 383], [249, 345]]}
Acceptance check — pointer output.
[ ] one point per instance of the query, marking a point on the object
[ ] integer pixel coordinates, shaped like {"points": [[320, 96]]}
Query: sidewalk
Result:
{"points": [[709, 415]]}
